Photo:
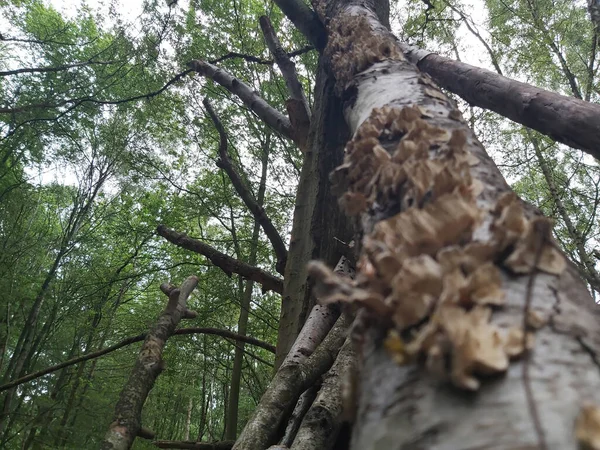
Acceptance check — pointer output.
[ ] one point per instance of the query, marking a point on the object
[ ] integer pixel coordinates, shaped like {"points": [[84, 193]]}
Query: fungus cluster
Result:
{"points": [[352, 47], [421, 271]]}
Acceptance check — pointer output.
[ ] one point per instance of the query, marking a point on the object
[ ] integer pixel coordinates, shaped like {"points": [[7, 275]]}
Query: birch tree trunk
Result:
{"points": [[476, 332]]}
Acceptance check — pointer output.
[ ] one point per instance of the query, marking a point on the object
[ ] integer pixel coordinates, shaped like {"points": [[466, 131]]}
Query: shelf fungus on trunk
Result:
{"points": [[434, 243], [421, 270], [432, 251]]}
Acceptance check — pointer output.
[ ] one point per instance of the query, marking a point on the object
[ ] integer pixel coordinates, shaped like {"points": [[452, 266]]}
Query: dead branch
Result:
{"points": [[246, 195], [572, 121], [251, 99], [289, 382], [128, 410], [318, 323], [254, 59], [316, 327], [323, 421], [225, 262], [297, 105], [306, 20], [132, 340], [192, 445]]}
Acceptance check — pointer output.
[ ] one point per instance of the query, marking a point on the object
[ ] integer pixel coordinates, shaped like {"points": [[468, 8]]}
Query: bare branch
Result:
{"points": [[127, 418], [254, 59], [225, 262], [306, 20], [228, 335], [81, 100], [255, 208], [52, 69], [323, 421], [298, 108], [572, 121], [303, 405], [132, 340], [251, 99]]}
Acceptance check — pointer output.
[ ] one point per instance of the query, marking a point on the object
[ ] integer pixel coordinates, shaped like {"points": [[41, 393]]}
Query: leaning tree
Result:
{"points": [[424, 305]]}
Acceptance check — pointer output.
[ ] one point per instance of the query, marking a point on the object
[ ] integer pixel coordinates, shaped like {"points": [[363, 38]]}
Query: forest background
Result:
{"points": [[104, 136]]}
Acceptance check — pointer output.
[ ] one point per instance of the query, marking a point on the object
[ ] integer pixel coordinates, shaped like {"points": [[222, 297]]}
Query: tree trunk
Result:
{"points": [[319, 229], [231, 421], [437, 219]]}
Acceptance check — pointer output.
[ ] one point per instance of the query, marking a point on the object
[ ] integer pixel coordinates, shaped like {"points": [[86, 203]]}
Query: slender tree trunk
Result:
{"points": [[231, 421], [188, 420]]}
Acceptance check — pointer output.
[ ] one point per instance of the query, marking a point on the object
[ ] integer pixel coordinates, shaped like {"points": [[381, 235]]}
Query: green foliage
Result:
{"points": [[101, 141]]}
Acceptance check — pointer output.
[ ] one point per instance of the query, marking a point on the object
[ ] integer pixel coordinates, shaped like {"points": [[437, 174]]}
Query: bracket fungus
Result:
{"points": [[410, 177], [421, 271]]}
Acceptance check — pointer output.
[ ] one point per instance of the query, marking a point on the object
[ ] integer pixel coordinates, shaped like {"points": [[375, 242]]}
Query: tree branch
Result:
{"points": [[52, 69], [306, 20], [572, 121], [251, 99], [297, 105], [257, 210], [132, 340], [81, 100], [323, 421], [255, 59], [225, 262], [127, 418]]}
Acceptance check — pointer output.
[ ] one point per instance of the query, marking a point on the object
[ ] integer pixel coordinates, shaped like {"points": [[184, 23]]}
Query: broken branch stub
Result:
{"points": [[126, 424]]}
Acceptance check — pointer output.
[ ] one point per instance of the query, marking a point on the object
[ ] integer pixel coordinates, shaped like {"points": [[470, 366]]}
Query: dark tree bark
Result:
{"points": [[318, 225], [569, 120]]}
